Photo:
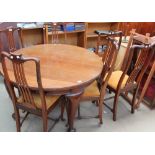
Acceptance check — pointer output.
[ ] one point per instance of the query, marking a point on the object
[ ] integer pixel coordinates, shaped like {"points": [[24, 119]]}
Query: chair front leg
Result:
{"points": [[134, 101], [45, 122], [115, 105], [100, 105], [79, 115], [65, 106], [17, 117]]}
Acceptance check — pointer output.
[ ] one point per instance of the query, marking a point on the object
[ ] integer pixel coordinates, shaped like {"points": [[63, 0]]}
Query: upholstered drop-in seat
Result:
{"points": [[114, 79], [92, 90], [50, 100]]}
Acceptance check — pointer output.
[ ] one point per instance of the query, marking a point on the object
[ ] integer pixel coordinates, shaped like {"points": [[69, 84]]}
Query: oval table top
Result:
{"points": [[62, 66]]}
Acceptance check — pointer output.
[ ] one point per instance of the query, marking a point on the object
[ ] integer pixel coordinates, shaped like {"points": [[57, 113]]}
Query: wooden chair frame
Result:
{"points": [[146, 40], [134, 79], [24, 90], [108, 66], [141, 39]]}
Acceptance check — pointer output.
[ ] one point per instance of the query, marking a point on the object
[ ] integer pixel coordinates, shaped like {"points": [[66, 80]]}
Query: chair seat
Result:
{"points": [[114, 79], [92, 90], [50, 100]]}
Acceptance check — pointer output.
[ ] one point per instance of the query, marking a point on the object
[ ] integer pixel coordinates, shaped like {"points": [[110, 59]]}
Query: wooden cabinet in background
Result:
{"points": [[83, 38], [91, 37], [32, 36]]}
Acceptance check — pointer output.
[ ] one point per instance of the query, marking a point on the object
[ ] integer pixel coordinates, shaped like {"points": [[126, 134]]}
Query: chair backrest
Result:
{"points": [[108, 34], [55, 29], [130, 42], [119, 34], [109, 59], [12, 33], [145, 55], [17, 63], [142, 39]]}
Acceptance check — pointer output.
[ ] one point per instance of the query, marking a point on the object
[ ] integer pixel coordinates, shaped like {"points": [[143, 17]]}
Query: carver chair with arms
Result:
{"points": [[35, 102]]}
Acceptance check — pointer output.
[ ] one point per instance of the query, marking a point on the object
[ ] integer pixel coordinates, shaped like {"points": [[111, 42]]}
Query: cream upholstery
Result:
{"points": [[114, 79], [91, 90], [50, 100]]}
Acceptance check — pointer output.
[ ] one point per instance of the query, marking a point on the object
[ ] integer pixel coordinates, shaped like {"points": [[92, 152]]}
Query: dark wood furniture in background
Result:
{"points": [[141, 27], [32, 102], [13, 38], [61, 67]]}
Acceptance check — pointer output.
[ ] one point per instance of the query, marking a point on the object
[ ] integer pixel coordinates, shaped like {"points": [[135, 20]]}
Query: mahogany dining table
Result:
{"points": [[65, 70]]}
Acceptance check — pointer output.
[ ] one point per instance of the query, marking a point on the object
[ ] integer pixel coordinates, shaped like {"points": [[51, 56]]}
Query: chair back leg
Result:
{"points": [[134, 101], [100, 104], [62, 111], [115, 105]]}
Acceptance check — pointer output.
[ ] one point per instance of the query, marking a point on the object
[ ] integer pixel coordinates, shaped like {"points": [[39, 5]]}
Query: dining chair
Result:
{"points": [[54, 30], [32, 102], [146, 80], [122, 83], [12, 38], [92, 92], [12, 34]]}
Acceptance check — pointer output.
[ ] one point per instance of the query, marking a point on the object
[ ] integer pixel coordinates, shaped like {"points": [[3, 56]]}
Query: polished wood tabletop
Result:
{"points": [[65, 70], [62, 66]]}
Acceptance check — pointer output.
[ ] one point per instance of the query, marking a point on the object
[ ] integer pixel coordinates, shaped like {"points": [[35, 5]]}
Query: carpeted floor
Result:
{"points": [[142, 120]]}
